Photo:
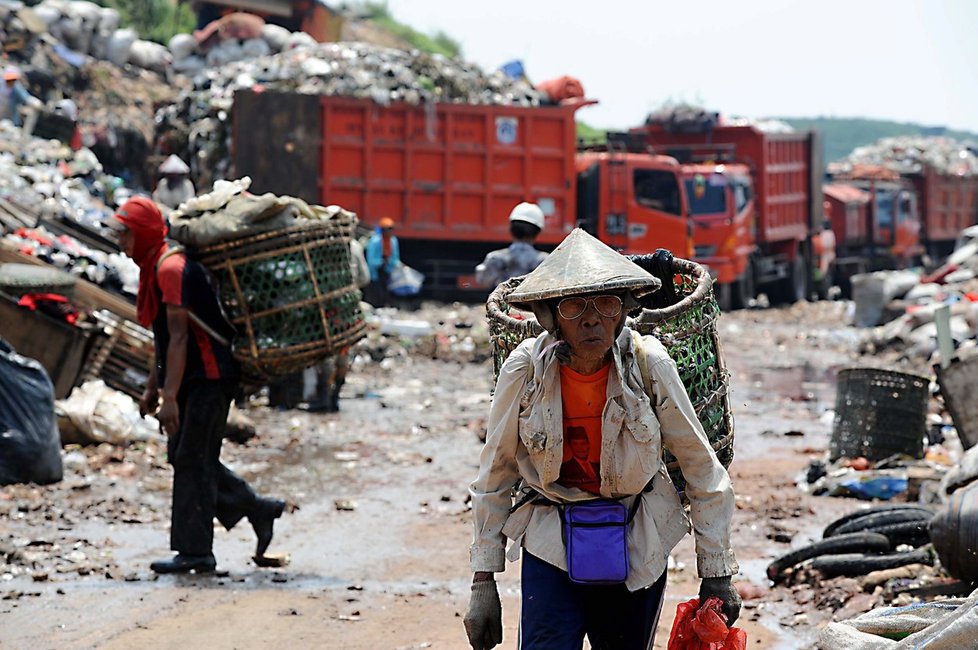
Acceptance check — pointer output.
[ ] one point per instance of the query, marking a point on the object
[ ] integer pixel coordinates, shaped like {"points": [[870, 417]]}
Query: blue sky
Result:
{"points": [[905, 60]]}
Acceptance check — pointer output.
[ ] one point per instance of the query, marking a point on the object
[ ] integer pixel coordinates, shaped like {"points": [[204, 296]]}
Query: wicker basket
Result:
{"points": [[687, 329], [291, 295]]}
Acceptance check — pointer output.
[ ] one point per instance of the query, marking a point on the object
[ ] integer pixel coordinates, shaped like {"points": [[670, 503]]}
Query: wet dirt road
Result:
{"points": [[379, 544]]}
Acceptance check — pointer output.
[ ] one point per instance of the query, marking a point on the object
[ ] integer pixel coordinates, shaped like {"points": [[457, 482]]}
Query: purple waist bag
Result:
{"points": [[596, 540]]}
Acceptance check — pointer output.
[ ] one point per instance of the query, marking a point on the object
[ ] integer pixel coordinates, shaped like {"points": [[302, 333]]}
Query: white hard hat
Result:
{"points": [[173, 165], [528, 212]]}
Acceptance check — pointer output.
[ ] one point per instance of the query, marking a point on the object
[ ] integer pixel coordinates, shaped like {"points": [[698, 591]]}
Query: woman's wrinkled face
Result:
{"points": [[591, 334]]}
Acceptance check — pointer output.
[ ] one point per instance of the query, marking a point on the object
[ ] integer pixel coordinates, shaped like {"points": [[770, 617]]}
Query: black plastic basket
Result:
{"points": [[879, 413]]}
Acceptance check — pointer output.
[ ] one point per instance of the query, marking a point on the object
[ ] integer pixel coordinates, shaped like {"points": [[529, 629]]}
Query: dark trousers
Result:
{"points": [[557, 613], [203, 488]]}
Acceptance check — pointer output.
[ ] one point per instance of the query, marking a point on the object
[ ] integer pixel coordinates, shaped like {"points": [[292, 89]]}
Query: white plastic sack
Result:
{"points": [[225, 52], [872, 291], [108, 20], [95, 413], [935, 626], [218, 197], [48, 14], [120, 44], [190, 65], [181, 46], [254, 48], [149, 56], [276, 36], [405, 281], [298, 40]]}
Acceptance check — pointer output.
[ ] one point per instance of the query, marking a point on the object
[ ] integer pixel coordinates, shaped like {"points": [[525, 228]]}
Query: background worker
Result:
{"points": [[525, 224], [14, 98], [175, 186], [589, 371], [331, 373], [197, 377], [383, 255]]}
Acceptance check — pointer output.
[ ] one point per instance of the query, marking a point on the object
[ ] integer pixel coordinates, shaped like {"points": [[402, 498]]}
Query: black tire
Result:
{"points": [[912, 533], [744, 289], [833, 566], [725, 296], [871, 522], [859, 514], [867, 542]]}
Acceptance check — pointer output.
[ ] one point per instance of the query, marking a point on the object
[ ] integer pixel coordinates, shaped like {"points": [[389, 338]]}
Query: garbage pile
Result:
{"points": [[913, 154], [197, 127], [89, 29]]}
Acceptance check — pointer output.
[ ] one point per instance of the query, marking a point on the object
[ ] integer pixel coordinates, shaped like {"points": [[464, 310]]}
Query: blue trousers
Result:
{"points": [[558, 613]]}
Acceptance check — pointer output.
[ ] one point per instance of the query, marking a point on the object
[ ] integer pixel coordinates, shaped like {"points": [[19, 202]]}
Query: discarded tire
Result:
{"points": [[912, 533], [890, 507], [852, 543], [878, 519], [954, 532], [859, 565]]}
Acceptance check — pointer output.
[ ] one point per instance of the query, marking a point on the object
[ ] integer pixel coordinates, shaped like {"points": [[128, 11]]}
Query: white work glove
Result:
{"points": [[484, 620]]}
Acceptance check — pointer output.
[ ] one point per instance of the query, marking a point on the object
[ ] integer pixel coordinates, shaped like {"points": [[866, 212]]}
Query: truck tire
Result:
{"points": [[725, 298], [859, 514], [744, 289], [832, 566], [872, 522], [856, 542]]}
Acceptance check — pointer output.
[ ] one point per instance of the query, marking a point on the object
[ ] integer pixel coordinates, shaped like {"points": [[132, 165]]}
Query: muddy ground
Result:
{"points": [[379, 544]]}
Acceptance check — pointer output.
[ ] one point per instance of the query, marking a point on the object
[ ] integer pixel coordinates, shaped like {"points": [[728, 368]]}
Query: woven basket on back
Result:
{"points": [[687, 329], [291, 295]]}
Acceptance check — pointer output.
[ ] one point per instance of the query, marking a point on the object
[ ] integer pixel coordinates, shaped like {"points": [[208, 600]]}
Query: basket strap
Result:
{"points": [[194, 318], [643, 363]]}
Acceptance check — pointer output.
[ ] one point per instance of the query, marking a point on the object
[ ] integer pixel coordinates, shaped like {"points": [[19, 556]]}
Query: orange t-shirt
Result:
{"points": [[582, 398]]}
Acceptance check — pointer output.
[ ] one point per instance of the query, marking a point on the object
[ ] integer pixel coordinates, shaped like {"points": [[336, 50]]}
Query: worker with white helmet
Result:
{"points": [[525, 224], [175, 187]]}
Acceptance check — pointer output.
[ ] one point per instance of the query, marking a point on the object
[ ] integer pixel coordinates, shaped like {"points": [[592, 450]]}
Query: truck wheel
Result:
{"points": [[854, 543], [725, 293], [744, 289], [796, 284]]}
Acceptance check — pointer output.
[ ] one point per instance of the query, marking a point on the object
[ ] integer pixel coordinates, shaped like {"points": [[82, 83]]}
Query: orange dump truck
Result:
{"points": [[755, 201], [449, 174]]}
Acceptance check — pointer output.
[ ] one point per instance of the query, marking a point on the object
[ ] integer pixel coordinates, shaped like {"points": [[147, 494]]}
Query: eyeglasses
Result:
{"points": [[608, 306]]}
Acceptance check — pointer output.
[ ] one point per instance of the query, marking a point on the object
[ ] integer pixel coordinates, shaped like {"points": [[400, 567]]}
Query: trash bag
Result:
{"points": [[704, 628], [30, 447], [405, 281]]}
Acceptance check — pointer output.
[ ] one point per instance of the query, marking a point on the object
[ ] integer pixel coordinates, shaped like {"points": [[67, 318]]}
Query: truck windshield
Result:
{"points": [[657, 190], [705, 197], [884, 209]]}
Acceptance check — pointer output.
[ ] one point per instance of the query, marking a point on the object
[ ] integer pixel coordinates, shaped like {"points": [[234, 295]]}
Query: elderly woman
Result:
{"points": [[596, 532]]}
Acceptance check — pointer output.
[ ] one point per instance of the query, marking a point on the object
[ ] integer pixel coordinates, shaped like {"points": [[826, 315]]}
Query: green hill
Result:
{"points": [[842, 135]]}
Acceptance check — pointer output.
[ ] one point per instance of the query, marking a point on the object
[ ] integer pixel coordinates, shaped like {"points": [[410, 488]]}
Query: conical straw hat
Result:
{"points": [[582, 264]]}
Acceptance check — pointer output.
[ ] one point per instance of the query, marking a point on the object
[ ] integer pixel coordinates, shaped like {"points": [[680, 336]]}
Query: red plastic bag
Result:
{"points": [[704, 628]]}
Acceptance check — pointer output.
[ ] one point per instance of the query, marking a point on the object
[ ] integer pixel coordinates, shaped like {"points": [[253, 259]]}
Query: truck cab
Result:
{"points": [[721, 207], [633, 202]]}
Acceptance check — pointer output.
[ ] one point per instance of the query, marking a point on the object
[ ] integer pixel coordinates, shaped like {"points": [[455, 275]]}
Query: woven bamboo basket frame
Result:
{"points": [[687, 329], [304, 243]]}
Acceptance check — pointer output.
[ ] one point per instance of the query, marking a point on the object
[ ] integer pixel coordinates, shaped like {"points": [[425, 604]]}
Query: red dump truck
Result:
{"points": [[877, 225], [449, 174], [949, 204], [755, 201]]}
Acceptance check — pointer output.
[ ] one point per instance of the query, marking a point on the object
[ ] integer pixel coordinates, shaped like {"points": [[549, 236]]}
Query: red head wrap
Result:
{"points": [[141, 216]]}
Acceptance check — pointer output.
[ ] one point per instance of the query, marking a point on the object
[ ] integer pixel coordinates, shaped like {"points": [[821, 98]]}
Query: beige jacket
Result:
{"points": [[525, 442]]}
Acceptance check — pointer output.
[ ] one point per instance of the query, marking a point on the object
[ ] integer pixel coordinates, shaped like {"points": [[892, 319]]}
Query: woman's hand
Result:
{"points": [[723, 589], [484, 620]]}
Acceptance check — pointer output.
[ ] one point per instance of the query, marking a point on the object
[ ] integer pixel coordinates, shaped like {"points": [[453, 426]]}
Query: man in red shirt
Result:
{"points": [[199, 377]]}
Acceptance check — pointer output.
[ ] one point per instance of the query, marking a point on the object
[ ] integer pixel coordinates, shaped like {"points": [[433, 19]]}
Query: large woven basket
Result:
{"points": [[686, 328], [291, 295]]}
